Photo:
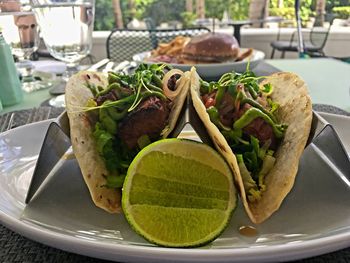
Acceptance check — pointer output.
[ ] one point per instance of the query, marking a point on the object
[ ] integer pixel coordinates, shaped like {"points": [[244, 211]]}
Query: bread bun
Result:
{"points": [[211, 48]]}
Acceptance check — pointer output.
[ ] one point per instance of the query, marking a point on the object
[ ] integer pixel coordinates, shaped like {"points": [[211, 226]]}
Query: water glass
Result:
{"points": [[66, 28], [20, 31]]}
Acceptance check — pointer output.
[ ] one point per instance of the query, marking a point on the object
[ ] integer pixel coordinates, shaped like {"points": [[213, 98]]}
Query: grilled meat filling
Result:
{"points": [[150, 118], [229, 114], [112, 95]]}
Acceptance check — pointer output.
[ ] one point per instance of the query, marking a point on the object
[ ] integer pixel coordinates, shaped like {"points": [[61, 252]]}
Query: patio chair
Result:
{"points": [[150, 24], [123, 44], [317, 39]]}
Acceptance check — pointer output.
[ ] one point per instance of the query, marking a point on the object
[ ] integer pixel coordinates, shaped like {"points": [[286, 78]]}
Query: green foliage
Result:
{"points": [[285, 12], [187, 19], [164, 11], [305, 11], [288, 12], [330, 4], [104, 16], [137, 12], [290, 3], [237, 10], [174, 10], [342, 12]]}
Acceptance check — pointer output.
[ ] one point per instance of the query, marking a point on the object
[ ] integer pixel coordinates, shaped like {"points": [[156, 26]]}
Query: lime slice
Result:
{"points": [[178, 193]]}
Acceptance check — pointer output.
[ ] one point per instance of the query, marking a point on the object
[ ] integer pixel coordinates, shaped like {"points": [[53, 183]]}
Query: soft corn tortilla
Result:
{"points": [[296, 111], [82, 125]]}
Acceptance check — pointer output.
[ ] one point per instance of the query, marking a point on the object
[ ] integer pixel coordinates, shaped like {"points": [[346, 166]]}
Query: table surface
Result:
{"points": [[328, 81], [30, 100]]}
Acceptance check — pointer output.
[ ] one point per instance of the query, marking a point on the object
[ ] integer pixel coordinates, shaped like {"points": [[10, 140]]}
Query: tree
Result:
{"points": [[131, 7], [280, 4], [118, 15], [189, 6], [287, 11], [320, 12], [258, 9], [164, 11], [237, 10], [104, 17], [200, 8]]}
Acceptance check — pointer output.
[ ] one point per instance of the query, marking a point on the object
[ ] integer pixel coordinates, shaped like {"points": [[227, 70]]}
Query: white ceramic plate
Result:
{"points": [[213, 70], [314, 219]]}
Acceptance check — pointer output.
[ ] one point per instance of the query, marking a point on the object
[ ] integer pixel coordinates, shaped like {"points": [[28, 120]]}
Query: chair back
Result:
{"points": [[319, 35], [123, 44], [150, 24], [166, 35]]}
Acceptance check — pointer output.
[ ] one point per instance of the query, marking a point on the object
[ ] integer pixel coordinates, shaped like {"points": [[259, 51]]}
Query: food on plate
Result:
{"points": [[179, 193], [170, 52], [211, 48], [112, 118], [243, 54], [261, 129], [201, 49]]}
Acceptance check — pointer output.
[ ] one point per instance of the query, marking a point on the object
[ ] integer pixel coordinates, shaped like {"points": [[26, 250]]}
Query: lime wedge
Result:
{"points": [[178, 193]]}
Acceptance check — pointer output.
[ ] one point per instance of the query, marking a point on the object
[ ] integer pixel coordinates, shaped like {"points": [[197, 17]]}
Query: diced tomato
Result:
{"points": [[210, 102], [261, 130], [209, 99]]}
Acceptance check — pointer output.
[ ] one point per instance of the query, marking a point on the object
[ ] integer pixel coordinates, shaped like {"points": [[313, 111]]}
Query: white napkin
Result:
{"points": [[49, 66]]}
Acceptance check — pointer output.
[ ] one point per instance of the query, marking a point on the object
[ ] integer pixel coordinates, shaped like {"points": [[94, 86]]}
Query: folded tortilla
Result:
{"points": [[296, 111], [82, 125]]}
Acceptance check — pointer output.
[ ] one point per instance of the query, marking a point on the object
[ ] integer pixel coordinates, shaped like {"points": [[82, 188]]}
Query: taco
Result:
{"points": [[261, 129], [112, 118]]}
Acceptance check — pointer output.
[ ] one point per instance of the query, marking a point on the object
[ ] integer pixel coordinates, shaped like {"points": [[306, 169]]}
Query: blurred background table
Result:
{"points": [[237, 25]]}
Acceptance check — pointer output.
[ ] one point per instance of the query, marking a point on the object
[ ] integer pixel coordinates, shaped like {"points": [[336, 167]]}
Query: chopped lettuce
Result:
{"points": [[115, 181], [254, 188], [268, 163], [104, 141], [248, 181]]}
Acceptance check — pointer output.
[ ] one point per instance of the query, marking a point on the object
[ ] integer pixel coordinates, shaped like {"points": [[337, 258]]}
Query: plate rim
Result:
{"points": [[202, 65], [287, 251], [108, 250]]}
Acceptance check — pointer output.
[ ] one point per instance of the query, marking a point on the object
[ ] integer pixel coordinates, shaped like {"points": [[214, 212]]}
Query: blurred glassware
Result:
{"points": [[13, 5], [66, 27], [20, 31], [58, 101], [10, 86]]}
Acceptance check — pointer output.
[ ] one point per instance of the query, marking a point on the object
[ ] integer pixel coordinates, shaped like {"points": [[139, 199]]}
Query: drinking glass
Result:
{"points": [[20, 30], [66, 28]]}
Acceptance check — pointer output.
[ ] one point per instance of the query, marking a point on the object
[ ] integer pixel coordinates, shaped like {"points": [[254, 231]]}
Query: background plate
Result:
{"points": [[314, 219], [214, 70]]}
